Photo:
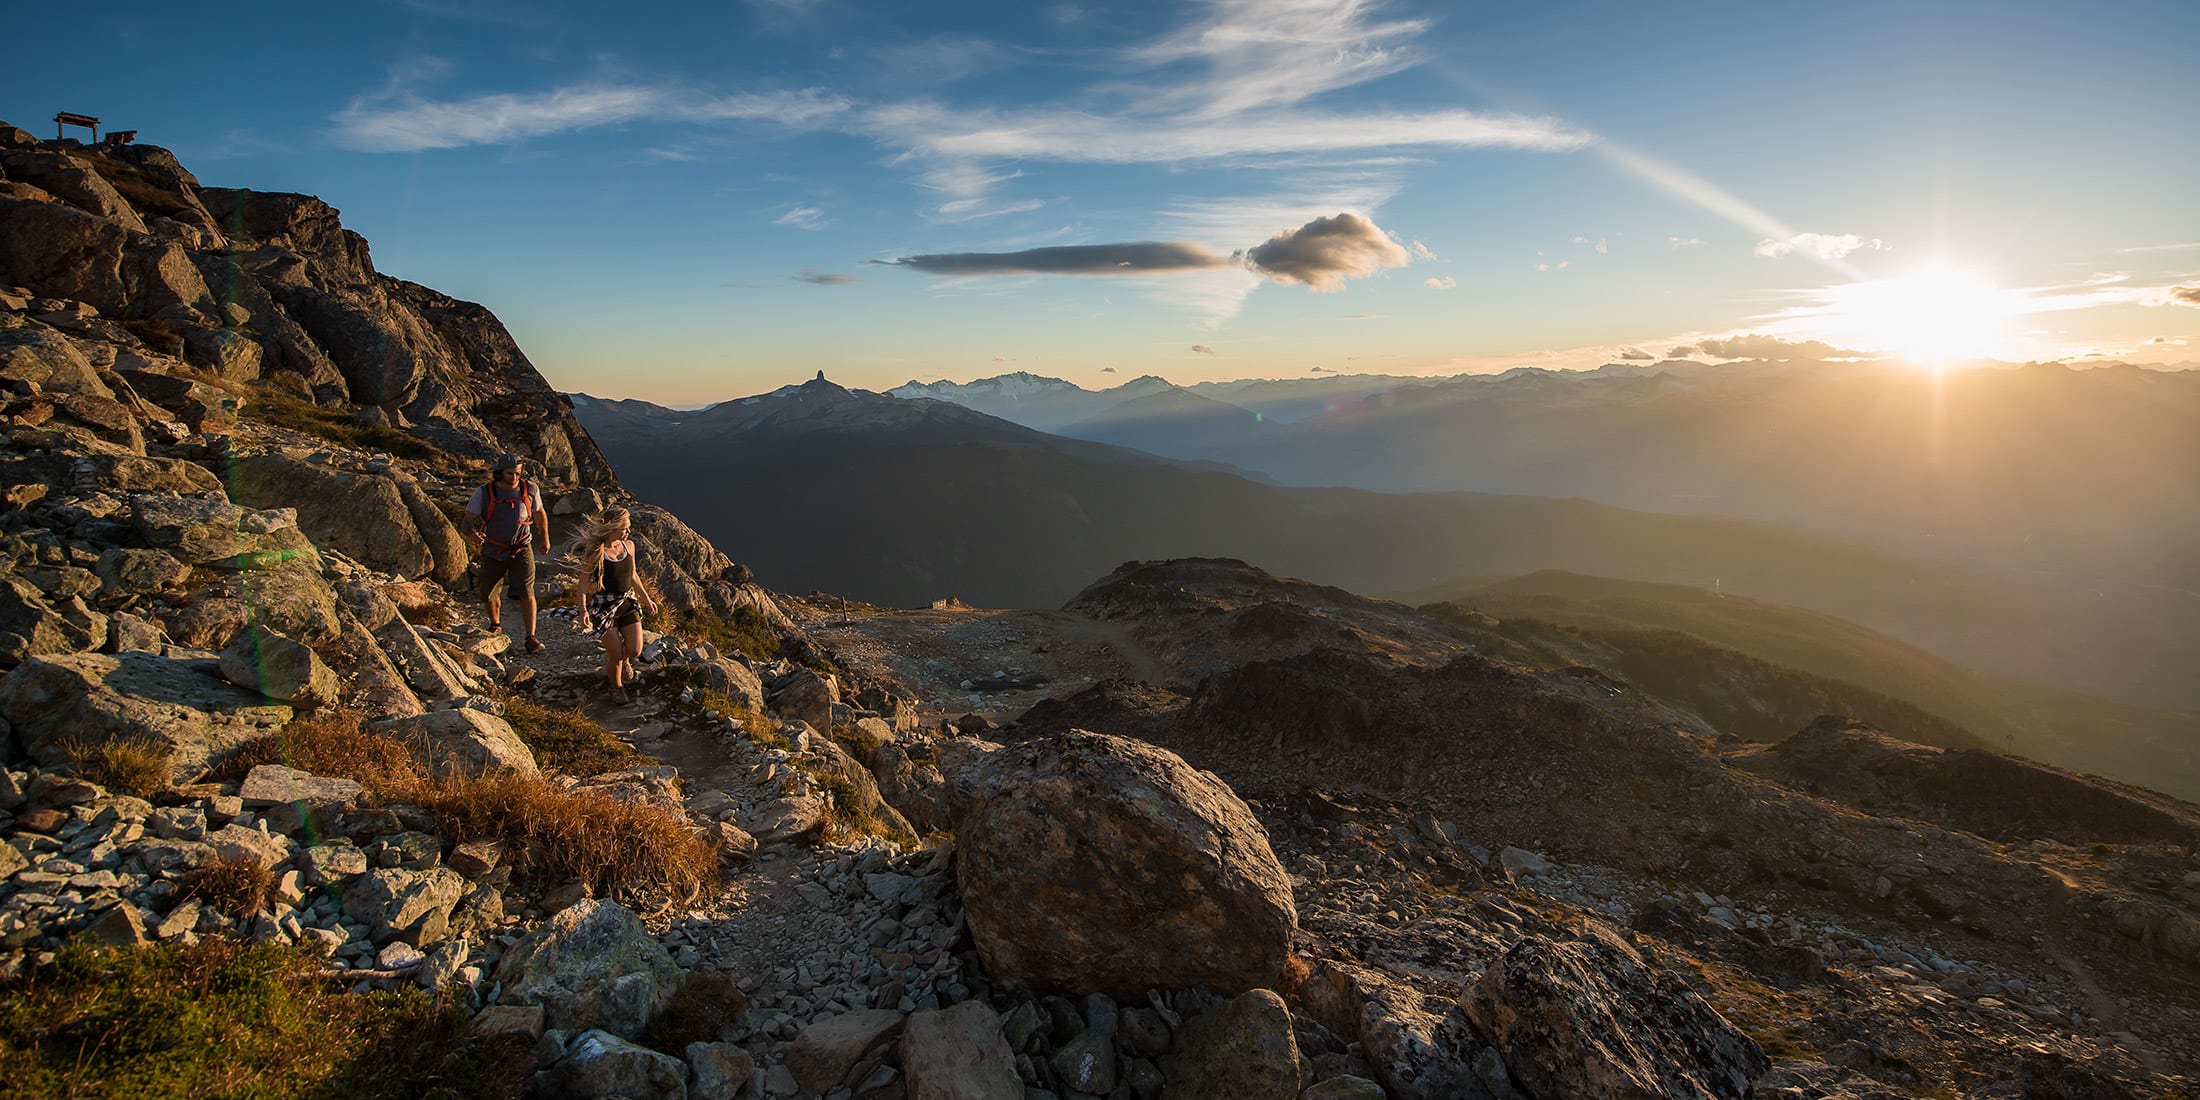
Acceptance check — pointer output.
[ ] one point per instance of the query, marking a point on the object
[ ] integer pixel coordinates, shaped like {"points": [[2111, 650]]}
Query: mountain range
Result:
{"points": [[906, 501]]}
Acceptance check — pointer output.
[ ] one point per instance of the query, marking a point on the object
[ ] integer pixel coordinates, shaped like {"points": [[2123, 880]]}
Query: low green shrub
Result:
{"points": [[220, 1019]]}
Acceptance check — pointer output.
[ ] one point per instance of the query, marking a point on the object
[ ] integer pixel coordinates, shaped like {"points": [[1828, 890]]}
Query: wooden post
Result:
{"points": [[64, 119]]}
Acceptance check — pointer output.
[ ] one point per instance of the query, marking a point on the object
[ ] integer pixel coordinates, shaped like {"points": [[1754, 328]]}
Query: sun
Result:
{"points": [[1931, 317]]}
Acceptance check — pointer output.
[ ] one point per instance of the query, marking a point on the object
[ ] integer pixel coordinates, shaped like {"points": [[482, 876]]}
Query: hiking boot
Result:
{"points": [[633, 693], [534, 644]]}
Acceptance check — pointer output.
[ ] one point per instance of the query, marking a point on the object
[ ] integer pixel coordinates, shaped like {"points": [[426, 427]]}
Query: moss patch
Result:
{"points": [[337, 426], [568, 741], [220, 1020]]}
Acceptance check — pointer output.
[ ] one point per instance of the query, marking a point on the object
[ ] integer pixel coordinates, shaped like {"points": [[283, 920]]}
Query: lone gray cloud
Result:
{"points": [[1202, 349], [1321, 254], [1138, 258], [814, 277], [1635, 355]]}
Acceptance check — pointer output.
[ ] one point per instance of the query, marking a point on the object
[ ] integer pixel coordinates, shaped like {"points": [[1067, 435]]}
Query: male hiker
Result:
{"points": [[506, 516]]}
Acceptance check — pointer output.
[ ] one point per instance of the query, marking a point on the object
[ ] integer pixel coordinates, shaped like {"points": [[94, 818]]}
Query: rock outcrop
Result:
{"points": [[1591, 1019], [63, 705]]}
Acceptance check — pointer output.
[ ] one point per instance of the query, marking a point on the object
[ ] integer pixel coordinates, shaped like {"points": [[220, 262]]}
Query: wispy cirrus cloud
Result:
{"points": [[802, 217], [815, 277], [1444, 283], [399, 121], [1232, 84]]}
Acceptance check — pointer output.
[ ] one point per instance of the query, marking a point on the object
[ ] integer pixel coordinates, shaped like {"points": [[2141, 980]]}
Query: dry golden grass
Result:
{"points": [[133, 765], [235, 886], [621, 849], [550, 836]]}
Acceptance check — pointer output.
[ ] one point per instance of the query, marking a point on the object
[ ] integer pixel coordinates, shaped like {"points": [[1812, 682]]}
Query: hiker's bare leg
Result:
{"points": [[611, 659], [630, 644], [527, 607], [495, 608]]}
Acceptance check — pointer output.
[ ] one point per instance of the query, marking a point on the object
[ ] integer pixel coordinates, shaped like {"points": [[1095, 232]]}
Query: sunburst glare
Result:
{"points": [[1931, 317]]}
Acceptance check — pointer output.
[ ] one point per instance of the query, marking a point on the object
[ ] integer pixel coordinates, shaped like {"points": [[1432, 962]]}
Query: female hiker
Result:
{"points": [[612, 596]]}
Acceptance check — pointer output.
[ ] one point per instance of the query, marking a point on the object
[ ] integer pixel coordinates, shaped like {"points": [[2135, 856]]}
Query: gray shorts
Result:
{"points": [[517, 572]]}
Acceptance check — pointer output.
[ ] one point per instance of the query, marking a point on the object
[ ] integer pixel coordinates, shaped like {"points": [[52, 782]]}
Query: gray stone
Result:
{"points": [[823, 1054], [958, 1053], [396, 904], [132, 572], [258, 659], [718, 1071], [600, 1064], [119, 926], [269, 784], [1244, 1049], [510, 1020], [1523, 862], [236, 842], [330, 864], [591, 965], [442, 964], [470, 741]]}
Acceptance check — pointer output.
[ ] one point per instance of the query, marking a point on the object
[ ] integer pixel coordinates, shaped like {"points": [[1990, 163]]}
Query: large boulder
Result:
{"points": [[260, 660], [471, 741], [1588, 1018], [132, 572], [449, 549], [912, 787], [30, 627], [592, 965], [56, 704], [362, 514], [1242, 1050], [62, 252], [73, 181], [733, 679], [206, 529], [1099, 863], [805, 696], [46, 360], [290, 596], [958, 1053]]}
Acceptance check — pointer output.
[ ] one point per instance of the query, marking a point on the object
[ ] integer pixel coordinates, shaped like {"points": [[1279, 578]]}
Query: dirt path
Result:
{"points": [[2056, 920], [805, 929], [994, 662]]}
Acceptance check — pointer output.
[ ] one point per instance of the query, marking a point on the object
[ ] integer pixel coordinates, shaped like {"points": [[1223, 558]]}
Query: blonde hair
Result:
{"points": [[604, 528]]}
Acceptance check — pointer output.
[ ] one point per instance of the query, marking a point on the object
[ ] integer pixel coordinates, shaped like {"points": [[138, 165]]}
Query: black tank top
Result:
{"points": [[617, 576]]}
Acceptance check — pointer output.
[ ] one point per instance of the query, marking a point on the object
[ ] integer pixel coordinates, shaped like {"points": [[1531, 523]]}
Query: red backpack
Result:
{"points": [[530, 499]]}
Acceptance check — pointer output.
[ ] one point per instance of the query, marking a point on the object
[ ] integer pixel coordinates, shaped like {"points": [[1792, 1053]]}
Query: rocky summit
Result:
{"points": [[1203, 832]]}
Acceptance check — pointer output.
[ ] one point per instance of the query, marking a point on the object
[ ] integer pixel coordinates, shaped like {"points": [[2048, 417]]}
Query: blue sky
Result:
{"points": [[689, 203]]}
